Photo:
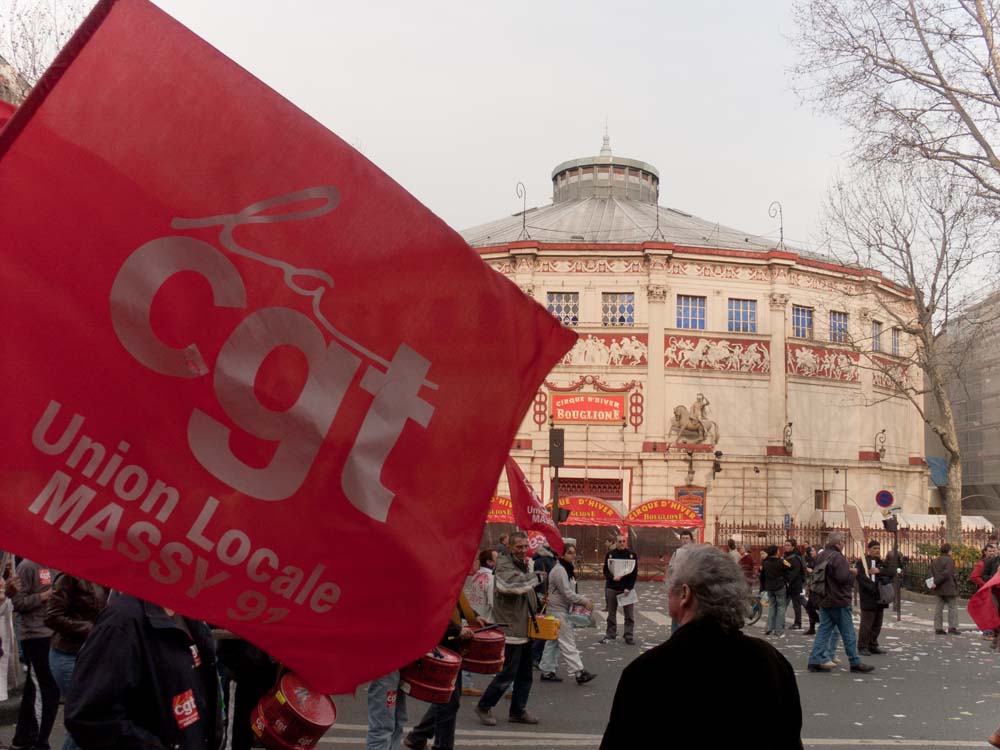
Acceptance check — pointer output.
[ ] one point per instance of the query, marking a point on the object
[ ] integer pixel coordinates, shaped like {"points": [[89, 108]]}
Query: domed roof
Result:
{"points": [[608, 199]]}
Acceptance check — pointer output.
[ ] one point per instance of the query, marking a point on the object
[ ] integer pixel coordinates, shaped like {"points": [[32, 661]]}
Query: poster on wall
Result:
{"points": [[693, 498]]}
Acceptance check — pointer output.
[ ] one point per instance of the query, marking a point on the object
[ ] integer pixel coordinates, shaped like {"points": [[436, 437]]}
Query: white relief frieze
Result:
{"points": [[609, 351], [814, 281], [815, 362], [891, 375], [725, 355], [678, 269], [524, 264], [583, 265], [713, 271]]}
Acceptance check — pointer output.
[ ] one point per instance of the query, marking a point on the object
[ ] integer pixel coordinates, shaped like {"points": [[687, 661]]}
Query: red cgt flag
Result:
{"points": [[982, 606], [245, 375], [529, 513]]}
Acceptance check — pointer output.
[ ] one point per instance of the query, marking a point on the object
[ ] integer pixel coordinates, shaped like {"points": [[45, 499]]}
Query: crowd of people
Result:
{"points": [[132, 674], [117, 661]]}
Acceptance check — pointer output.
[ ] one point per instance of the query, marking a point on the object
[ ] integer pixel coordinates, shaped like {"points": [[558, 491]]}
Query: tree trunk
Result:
{"points": [[953, 501], [944, 427]]}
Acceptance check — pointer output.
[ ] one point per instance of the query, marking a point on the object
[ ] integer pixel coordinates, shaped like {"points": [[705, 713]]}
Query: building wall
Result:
{"points": [[756, 383]]}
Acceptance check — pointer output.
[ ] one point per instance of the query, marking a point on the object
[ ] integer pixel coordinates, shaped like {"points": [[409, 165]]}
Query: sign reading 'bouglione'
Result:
{"points": [[239, 358]]}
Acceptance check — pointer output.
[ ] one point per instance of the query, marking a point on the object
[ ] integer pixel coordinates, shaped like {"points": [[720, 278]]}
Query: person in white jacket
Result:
{"points": [[562, 595]]}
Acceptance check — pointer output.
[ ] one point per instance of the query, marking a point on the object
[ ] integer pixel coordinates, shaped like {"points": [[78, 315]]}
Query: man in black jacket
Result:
{"points": [[796, 580], [146, 679], [621, 568], [834, 608], [871, 574], [774, 583], [706, 594]]}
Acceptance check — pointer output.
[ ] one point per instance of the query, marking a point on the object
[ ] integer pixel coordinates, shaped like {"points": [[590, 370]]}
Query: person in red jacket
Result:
{"points": [[976, 576]]}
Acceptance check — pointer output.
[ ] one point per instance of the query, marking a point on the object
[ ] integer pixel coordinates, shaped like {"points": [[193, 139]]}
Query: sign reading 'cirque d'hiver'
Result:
{"points": [[226, 373], [589, 408]]}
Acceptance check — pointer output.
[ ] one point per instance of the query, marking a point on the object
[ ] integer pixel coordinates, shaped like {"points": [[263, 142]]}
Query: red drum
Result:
{"points": [[292, 716], [485, 652], [431, 678]]}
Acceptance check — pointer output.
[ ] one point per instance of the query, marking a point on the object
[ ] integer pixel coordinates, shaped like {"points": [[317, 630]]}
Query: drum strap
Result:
{"points": [[464, 609]]}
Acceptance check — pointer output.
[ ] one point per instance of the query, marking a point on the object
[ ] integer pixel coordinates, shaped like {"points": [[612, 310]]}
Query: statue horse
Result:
{"points": [[691, 429]]}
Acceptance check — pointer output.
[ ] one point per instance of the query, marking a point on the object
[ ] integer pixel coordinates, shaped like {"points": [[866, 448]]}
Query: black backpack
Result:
{"points": [[817, 581]]}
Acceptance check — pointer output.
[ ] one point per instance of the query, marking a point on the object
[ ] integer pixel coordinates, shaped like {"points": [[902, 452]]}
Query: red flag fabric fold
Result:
{"points": [[244, 373], [982, 605], [529, 513]]}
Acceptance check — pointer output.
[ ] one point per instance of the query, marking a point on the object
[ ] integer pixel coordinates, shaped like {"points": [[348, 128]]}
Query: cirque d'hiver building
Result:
{"points": [[697, 338]]}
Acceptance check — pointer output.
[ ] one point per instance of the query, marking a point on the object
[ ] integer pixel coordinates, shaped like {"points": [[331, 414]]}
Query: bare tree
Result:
{"points": [[33, 31], [928, 234], [916, 80]]}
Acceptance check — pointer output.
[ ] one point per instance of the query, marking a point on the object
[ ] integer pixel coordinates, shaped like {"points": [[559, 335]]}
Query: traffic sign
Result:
{"points": [[884, 498]]}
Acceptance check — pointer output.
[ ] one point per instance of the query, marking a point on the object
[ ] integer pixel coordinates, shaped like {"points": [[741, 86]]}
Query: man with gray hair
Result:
{"points": [[514, 601], [833, 586], [707, 596]]}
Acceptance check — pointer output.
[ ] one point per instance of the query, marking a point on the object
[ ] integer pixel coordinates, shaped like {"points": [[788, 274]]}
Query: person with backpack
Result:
{"points": [[833, 585]]}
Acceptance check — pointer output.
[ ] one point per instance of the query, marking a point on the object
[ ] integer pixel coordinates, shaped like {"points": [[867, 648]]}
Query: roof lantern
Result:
{"points": [[605, 176]]}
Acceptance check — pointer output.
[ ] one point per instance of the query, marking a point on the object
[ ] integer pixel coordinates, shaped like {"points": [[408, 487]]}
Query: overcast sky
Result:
{"points": [[460, 101]]}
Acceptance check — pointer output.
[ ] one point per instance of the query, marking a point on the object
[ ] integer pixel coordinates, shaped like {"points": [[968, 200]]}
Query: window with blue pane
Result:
{"points": [[802, 322], [876, 336], [566, 307], [838, 327], [690, 312], [743, 315], [895, 342], [618, 308]]}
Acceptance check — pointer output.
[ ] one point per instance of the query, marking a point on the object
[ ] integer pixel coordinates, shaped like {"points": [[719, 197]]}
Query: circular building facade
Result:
{"points": [[716, 376]]}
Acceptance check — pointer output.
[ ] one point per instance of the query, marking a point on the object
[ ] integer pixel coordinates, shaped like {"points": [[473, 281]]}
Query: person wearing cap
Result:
{"points": [[872, 574]]}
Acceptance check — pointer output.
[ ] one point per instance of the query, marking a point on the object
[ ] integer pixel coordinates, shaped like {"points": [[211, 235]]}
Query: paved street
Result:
{"points": [[929, 692]]}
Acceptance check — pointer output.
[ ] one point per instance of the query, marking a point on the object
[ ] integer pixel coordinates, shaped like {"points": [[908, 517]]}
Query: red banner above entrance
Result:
{"points": [[665, 513], [588, 408], [501, 510], [588, 511]]}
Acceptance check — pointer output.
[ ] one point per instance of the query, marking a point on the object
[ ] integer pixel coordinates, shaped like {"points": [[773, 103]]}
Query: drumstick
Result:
{"points": [[494, 626]]}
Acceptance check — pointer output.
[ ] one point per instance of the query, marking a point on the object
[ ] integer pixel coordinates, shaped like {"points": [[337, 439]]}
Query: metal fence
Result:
{"points": [[918, 546]]}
